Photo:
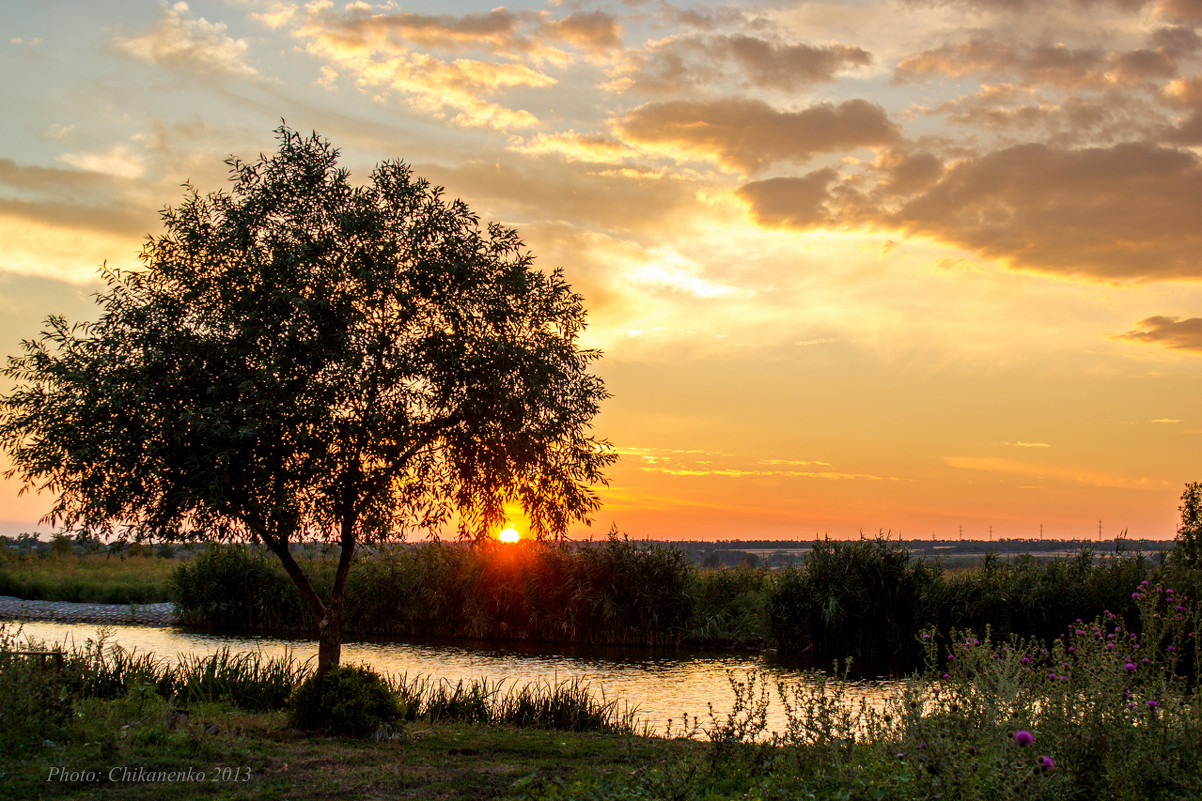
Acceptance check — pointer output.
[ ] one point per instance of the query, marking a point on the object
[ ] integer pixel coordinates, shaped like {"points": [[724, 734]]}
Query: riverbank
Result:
{"points": [[18, 609]]}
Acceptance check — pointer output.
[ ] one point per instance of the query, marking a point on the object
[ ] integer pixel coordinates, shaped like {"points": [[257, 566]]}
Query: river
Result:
{"points": [[659, 684]]}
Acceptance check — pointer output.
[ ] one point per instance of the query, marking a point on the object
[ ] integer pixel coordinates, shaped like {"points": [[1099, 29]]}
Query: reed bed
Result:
{"points": [[87, 578], [867, 599]]}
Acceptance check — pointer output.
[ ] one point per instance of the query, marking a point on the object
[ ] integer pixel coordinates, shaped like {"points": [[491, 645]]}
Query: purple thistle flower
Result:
{"points": [[1172, 648], [1129, 667], [1045, 762], [1023, 738], [1025, 660], [1151, 704], [1135, 595]]}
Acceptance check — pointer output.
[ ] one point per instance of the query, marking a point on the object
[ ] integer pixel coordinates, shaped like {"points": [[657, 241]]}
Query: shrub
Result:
{"points": [[348, 699], [234, 587]]}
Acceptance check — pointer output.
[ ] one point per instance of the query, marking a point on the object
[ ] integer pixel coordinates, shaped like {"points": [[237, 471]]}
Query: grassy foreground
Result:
{"points": [[257, 755], [1107, 711]]}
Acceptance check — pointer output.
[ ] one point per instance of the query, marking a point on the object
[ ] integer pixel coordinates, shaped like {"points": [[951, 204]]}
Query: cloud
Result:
{"points": [[1044, 64], [748, 135], [589, 30], [1051, 64], [192, 45], [677, 64], [575, 146], [1171, 332], [789, 202], [1181, 10], [1067, 475], [500, 31], [1028, 444], [384, 53], [1127, 212], [118, 161]]}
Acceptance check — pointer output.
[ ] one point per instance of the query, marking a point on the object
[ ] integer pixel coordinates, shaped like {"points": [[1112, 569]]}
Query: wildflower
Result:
{"points": [[1129, 667], [922, 746], [1045, 762], [1172, 648], [1144, 661], [1151, 704], [947, 675], [1135, 595], [1072, 650], [1168, 592], [900, 755], [925, 637], [1025, 659], [951, 657], [1109, 646], [1023, 737]]}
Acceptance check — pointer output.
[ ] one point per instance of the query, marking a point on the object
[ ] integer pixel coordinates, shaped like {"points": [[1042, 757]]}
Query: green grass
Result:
{"points": [[447, 761], [92, 578]]}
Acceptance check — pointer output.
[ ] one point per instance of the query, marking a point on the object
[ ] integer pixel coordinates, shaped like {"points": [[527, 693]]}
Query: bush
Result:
{"points": [[229, 586], [863, 598], [348, 699]]}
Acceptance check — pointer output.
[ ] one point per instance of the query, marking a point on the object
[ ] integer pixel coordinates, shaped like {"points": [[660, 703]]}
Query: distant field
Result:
{"points": [[94, 578]]}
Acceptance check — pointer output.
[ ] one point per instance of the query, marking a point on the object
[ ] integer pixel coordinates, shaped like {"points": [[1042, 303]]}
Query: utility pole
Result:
{"points": [[1041, 532], [991, 533], [1099, 531]]}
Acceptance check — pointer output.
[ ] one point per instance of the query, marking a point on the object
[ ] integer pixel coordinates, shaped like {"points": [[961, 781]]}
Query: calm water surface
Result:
{"points": [[661, 684]]}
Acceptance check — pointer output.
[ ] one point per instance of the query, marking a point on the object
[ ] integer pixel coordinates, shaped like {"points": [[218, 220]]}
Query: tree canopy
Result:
{"points": [[305, 358]]}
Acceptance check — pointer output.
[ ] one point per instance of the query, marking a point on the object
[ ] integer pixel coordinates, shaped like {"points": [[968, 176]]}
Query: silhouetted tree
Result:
{"points": [[1188, 547], [302, 358]]}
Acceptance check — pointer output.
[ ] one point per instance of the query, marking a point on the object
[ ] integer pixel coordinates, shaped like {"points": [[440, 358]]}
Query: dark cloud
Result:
{"points": [[1122, 213], [1182, 10], [749, 135], [108, 218], [680, 63], [51, 180], [1171, 332], [1019, 6], [789, 202], [1043, 64], [1127, 212]]}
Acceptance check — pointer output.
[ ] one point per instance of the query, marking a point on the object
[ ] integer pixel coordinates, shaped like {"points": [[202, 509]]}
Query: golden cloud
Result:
{"points": [[749, 135], [1171, 332], [179, 42]]}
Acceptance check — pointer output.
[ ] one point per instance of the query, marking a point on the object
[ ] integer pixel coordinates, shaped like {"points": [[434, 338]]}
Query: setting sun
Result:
{"points": [[508, 534]]}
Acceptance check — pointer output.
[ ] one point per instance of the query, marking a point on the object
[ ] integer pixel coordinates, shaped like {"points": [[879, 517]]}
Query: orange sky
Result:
{"points": [[871, 265]]}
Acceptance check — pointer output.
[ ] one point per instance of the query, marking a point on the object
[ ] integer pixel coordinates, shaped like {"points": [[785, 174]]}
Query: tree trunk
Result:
{"points": [[329, 637], [329, 632]]}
